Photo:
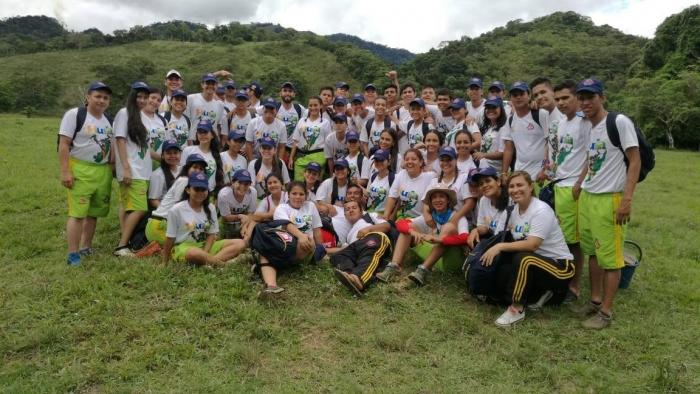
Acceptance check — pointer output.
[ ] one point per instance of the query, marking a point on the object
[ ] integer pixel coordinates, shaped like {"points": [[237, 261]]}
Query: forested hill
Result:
{"points": [[561, 45], [391, 55]]}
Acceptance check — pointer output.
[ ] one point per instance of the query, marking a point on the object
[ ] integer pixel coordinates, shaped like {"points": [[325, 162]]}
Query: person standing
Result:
{"points": [[173, 82], [205, 106], [84, 153]]}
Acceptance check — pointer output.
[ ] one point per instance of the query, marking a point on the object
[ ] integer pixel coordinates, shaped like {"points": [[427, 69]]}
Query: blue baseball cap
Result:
{"points": [[482, 172], [340, 118], [343, 85], [590, 85], [270, 103], [381, 155], [139, 85], [230, 85], [97, 85], [198, 179], [313, 166], [234, 135], [205, 125], [417, 101], [458, 103], [352, 136], [519, 85], [208, 77], [494, 101], [267, 141], [497, 84], [288, 85], [341, 163], [340, 101], [256, 87], [370, 86], [448, 151], [196, 158], [242, 176], [358, 97], [171, 144], [179, 93], [475, 82], [241, 94]]}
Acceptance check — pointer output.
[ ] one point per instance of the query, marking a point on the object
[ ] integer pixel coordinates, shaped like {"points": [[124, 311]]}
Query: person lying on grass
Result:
{"points": [[193, 227]]}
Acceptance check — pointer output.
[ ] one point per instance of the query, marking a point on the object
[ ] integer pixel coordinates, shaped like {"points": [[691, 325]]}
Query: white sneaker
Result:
{"points": [[510, 317], [540, 303], [123, 252]]}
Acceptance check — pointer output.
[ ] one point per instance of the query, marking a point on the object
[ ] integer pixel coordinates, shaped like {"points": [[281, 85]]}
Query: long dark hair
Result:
{"points": [[135, 129], [215, 149], [205, 205], [394, 152], [500, 122], [169, 178]]}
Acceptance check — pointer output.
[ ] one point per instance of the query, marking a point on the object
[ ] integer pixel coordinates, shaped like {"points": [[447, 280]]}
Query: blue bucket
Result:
{"points": [[633, 257]]}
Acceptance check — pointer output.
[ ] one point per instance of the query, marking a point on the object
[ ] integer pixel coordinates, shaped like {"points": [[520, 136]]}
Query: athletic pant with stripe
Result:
{"points": [[533, 274], [364, 256]]}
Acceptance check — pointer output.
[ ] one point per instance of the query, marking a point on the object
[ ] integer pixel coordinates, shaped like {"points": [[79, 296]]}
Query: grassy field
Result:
{"points": [[131, 326]]}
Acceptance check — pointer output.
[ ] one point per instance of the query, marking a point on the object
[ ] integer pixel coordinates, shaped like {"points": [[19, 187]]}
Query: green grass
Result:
{"points": [[132, 326]]}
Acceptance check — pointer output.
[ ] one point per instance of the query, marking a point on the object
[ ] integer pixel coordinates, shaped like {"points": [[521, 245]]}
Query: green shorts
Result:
{"points": [[155, 230], [91, 191], [133, 197], [180, 250], [600, 236], [566, 209]]}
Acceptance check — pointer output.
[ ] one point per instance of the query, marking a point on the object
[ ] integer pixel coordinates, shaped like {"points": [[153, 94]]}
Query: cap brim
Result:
{"points": [[588, 89]]}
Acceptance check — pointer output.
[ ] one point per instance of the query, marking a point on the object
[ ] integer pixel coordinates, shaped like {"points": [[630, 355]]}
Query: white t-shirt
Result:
{"points": [[187, 225], [198, 108], [414, 134], [156, 129], [359, 123], [157, 186], [210, 171], [465, 165], [372, 138], [444, 123], [353, 166], [529, 140], [351, 235], [139, 158], [290, 118], [476, 113], [228, 204], [171, 197], [259, 178], [92, 143], [306, 218], [607, 172], [325, 191], [491, 142], [568, 148], [333, 148], [539, 221], [431, 166], [489, 216], [232, 165], [310, 134], [451, 137], [408, 192], [177, 130], [258, 129], [236, 123], [378, 191], [267, 204]]}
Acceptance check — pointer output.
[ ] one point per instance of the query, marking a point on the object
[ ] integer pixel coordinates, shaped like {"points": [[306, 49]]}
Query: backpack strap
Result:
{"points": [[536, 116], [162, 119], [257, 166], [368, 218], [510, 120], [360, 159], [426, 128], [387, 122], [334, 192], [392, 175], [409, 125], [368, 125], [613, 132], [79, 120], [189, 122], [297, 108], [167, 115]]}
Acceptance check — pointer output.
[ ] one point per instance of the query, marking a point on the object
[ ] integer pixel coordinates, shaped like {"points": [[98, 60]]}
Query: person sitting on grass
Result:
{"points": [[236, 203], [275, 196], [304, 225], [164, 176], [193, 227], [541, 264], [331, 194], [312, 173]]}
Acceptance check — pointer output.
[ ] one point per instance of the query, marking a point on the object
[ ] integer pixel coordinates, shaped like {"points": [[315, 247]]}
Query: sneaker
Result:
{"points": [[419, 276], [349, 281], [73, 259], [570, 297], [598, 321], [153, 248], [510, 317], [123, 251], [541, 302], [85, 252], [273, 289], [587, 309], [390, 273]]}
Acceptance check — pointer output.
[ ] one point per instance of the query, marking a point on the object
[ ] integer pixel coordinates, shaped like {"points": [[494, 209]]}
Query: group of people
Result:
{"points": [[362, 177]]}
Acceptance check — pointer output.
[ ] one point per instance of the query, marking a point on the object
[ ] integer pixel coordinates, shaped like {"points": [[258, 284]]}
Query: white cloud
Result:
{"points": [[415, 25]]}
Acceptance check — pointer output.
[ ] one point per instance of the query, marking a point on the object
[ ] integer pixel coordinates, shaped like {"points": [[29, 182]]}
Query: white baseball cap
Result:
{"points": [[171, 72]]}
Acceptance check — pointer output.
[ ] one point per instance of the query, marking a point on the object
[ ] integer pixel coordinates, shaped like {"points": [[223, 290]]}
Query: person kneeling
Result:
{"points": [[541, 266], [192, 229], [367, 247]]}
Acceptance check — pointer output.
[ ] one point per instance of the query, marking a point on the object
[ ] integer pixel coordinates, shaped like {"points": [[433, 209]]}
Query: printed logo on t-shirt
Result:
{"points": [[409, 199], [198, 231], [521, 230], [340, 154], [377, 195], [415, 138], [311, 134], [101, 136], [179, 133], [157, 138], [202, 114], [597, 153], [566, 146], [273, 134], [290, 122], [302, 222], [493, 224]]}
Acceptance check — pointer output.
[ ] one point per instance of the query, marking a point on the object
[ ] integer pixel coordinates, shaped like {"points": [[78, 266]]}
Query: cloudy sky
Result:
{"points": [[416, 27]]}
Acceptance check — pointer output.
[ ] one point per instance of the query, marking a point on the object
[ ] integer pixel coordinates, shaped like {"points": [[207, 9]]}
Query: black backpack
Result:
{"points": [[272, 241], [425, 127], [80, 121], [370, 123], [168, 116], [536, 117], [646, 152]]}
